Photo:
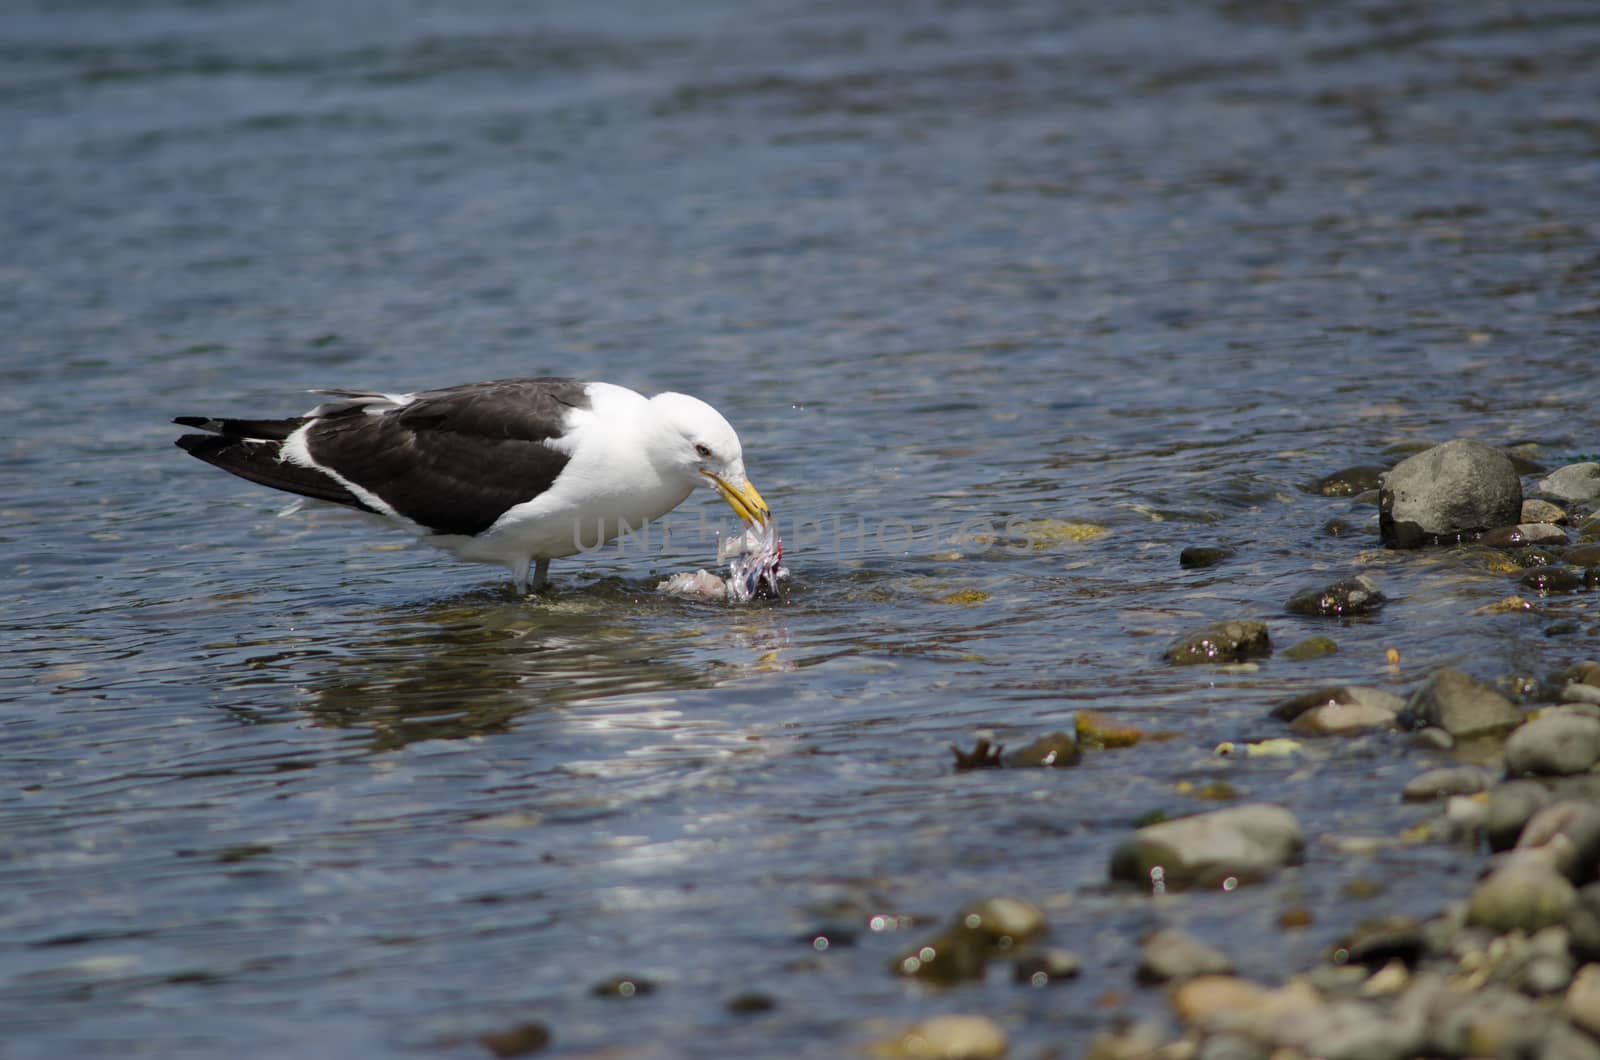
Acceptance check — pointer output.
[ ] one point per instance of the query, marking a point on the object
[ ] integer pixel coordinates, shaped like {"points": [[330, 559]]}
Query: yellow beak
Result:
{"points": [[742, 498]]}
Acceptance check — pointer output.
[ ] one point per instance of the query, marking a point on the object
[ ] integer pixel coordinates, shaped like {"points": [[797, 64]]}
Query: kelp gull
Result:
{"points": [[514, 471]]}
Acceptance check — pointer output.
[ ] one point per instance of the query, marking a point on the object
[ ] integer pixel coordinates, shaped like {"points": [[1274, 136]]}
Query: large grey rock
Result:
{"points": [[1557, 743], [1244, 842], [1171, 955], [1575, 482], [1460, 487], [1461, 706]]}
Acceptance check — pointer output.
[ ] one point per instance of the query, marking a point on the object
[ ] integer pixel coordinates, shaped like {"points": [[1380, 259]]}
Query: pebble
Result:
{"points": [[1583, 924], [1522, 535], [1347, 597], [1460, 487], [1582, 1003], [1511, 805], [1171, 955], [957, 1037], [1570, 831], [1043, 965], [1538, 511], [1575, 482], [1583, 556], [1461, 705], [1445, 781], [1242, 843], [1523, 894], [1235, 640], [1556, 743], [1577, 692]]}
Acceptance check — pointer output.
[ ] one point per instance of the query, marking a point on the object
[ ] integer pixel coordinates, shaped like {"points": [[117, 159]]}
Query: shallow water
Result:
{"points": [[278, 783]]}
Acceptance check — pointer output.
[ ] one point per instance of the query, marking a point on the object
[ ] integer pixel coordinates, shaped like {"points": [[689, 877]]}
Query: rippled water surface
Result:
{"points": [[277, 785]]}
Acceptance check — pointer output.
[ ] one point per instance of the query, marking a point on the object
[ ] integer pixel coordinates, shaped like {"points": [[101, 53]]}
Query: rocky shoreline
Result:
{"points": [[1512, 971]]}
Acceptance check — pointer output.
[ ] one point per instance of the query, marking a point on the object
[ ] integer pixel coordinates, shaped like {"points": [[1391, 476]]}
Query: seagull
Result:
{"points": [[512, 471]]}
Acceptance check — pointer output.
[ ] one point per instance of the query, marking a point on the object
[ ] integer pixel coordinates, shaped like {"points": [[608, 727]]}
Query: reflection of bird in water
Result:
{"points": [[474, 664], [516, 472]]}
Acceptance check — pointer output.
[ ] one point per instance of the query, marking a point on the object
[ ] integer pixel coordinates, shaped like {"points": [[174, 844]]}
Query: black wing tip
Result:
{"points": [[194, 421]]}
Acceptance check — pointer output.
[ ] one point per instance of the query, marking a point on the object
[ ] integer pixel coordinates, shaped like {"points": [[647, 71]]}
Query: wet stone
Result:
{"points": [[1545, 580], [1235, 640], [984, 755], [1041, 966], [1524, 894], [1311, 648], [1523, 535], [1348, 597], [1447, 492], [1196, 557], [1574, 482], [1245, 843], [1446, 781], [1171, 955], [1056, 749], [1461, 706], [1556, 743], [1349, 481], [1340, 527], [1583, 555]]}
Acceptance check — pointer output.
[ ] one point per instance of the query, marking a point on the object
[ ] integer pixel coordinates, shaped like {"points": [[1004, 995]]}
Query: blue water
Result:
{"points": [[277, 784]]}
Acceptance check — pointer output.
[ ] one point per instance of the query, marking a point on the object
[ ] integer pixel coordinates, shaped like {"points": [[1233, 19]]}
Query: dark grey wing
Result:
{"points": [[454, 460], [250, 449]]}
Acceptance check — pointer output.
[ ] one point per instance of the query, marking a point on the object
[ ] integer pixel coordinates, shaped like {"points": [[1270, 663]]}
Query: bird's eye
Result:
{"points": [[702, 449]]}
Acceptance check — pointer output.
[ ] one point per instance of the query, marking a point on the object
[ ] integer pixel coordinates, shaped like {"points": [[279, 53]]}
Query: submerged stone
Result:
{"points": [[958, 1037], [1448, 492], [1349, 481], [1055, 749], [1311, 648]]}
